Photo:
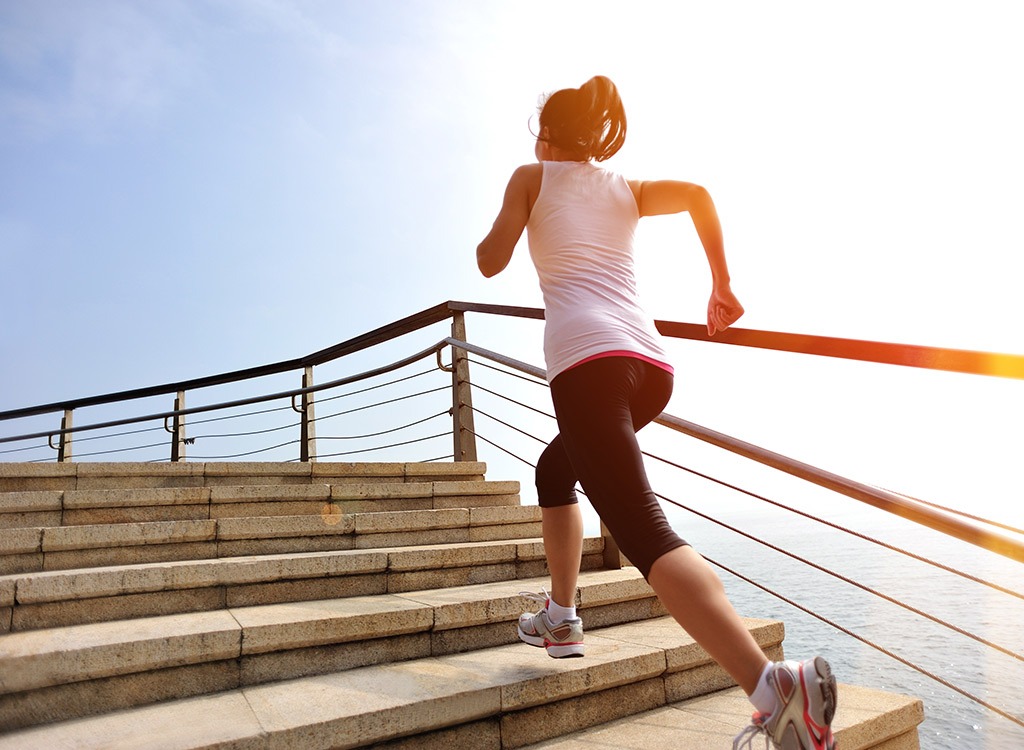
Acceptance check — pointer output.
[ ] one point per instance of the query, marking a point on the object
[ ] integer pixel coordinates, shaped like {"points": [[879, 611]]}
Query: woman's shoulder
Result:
{"points": [[533, 169], [527, 177], [524, 184]]}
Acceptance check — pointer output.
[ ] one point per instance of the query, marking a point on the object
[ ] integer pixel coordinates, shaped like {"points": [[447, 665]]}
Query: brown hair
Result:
{"points": [[589, 122]]}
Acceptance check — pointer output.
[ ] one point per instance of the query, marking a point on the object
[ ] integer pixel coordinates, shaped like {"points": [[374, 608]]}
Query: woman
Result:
{"points": [[609, 377]]}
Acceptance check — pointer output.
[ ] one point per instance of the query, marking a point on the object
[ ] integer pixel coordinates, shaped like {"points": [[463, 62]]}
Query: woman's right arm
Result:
{"points": [[494, 253], [658, 197]]}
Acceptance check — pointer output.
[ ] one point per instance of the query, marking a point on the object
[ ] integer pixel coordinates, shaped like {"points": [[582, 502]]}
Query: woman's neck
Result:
{"points": [[551, 152]]}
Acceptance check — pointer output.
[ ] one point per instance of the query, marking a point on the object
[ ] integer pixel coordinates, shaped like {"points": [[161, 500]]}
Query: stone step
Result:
{"points": [[66, 547], [865, 720], [56, 673], [50, 599], [28, 477], [260, 605], [132, 505], [514, 688]]}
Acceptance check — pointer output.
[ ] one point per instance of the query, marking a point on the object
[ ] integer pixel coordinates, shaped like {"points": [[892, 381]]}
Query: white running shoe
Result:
{"points": [[805, 705], [560, 640]]}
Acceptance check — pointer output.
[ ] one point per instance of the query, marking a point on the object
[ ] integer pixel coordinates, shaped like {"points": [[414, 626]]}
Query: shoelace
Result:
{"points": [[541, 598], [745, 739]]}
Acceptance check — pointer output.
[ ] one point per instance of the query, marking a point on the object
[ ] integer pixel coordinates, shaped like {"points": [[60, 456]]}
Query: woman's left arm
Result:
{"points": [[494, 253], [670, 197]]}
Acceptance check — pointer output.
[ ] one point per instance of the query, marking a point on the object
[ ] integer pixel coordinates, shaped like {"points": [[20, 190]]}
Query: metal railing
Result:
{"points": [[453, 400], [303, 401]]}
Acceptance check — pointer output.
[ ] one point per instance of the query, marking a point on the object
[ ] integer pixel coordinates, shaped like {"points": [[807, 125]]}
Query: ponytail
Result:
{"points": [[589, 122]]}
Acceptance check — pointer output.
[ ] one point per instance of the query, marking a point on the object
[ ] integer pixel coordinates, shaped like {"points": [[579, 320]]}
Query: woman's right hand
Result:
{"points": [[723, 309]]}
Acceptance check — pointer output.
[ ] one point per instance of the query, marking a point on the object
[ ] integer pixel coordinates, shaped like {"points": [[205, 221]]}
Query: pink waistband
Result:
{"points": [[663, 365]]}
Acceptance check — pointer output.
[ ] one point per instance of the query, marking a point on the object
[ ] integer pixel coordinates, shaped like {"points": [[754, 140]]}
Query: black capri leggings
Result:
{"points": [[600, 405]]}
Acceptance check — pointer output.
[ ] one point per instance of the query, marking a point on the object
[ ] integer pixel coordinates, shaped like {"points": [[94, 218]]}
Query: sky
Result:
{"points": [[190, 187]]}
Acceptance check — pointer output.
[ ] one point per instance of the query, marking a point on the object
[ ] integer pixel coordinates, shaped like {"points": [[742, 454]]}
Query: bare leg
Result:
{"points": [[563, 547], [695, 597]]}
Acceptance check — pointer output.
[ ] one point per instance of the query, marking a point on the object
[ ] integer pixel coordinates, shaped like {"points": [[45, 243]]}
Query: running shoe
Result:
{"points": [[560, 640], [806, 703]]}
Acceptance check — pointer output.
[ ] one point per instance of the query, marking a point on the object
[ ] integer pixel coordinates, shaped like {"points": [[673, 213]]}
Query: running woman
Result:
{"points": [[609, 377]]}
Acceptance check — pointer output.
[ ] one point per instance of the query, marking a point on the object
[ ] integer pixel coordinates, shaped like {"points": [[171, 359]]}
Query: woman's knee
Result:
{"points": [[643, 538], [554, 477]]}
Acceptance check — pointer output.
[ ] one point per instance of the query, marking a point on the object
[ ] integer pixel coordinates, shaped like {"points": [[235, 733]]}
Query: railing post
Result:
{"points": [[64, 452], [613, 559], [178, 431], [463, 433], [307, 449]]}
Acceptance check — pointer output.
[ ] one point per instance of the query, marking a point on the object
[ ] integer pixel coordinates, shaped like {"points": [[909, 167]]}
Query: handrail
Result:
{"points": [[364, 341], [913, 510], [954, 360], [239, 402], [906, 355]]}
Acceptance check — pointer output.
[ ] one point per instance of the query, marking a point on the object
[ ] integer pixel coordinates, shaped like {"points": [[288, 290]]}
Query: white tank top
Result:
{"points": [[580, 234]]}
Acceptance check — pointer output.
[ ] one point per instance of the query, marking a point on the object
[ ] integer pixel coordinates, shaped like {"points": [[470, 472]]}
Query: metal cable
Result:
{"points": [[162, 444], [845, 579], [435, 458], [385, 447], [837, 527], [291, 426], [511, 427], [288, 408], [421, 461], [511, 400], [239, 416], [383, 403], [78, 440], [317, 419], [503, 450], [81, 440], [247, 453], [375, 387], [383, 432], [321, 400], [481, 363], [27, 448]]}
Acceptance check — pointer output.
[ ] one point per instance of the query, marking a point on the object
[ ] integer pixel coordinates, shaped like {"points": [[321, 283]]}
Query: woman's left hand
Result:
{"points": [[723, 309]]}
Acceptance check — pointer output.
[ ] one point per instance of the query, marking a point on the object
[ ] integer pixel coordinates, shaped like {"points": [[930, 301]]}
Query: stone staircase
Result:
{"points": [[331, 605]]}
